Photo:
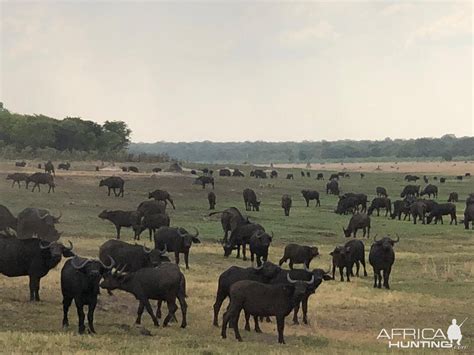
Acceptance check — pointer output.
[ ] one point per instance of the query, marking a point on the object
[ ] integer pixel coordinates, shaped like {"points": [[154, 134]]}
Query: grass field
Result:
{"points": [[432, 279]]}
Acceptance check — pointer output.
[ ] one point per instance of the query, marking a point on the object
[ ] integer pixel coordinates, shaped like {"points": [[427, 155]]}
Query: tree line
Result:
{"points": [[447, 147]]}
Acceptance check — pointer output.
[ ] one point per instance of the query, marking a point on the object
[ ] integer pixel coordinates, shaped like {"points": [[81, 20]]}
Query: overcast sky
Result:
{"points": [[231, 71]]}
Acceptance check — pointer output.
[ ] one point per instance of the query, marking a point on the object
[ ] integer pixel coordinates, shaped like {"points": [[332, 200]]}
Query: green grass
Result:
{"points": [[432, 279]]}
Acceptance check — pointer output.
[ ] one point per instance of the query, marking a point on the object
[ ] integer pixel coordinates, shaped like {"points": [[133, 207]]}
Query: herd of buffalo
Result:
{"points": [[29, 246]]}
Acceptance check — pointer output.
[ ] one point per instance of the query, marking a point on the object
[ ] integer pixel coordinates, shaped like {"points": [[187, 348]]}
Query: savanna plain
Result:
{"points": [[432, 279]]}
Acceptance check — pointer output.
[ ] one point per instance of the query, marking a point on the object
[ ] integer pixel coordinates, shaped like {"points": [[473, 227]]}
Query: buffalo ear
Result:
{"points": [[196, 240], [331, 253], [327, 277]]}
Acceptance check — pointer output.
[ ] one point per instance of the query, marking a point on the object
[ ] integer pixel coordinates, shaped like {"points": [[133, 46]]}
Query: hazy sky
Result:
{"points": [[229, 71]]}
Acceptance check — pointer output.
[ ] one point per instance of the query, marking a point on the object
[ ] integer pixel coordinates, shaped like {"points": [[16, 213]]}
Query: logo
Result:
{"points": [[423, 338]]}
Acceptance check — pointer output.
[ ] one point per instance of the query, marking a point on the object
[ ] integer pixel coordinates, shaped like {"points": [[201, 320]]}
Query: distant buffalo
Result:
{"points": [[17, 178], [161, 195], [382, 257], [40, 179], [64, 166], [286, 204], [211, 198], [204, 180], [113, 183], [358, 221], [250, 200], [309, 195]]}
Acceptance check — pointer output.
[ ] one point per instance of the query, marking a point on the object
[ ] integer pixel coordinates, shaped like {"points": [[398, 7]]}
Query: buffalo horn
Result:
{"points": [[290, 280], [81, 265], [112, 263], [310, 282], [146, 250]]}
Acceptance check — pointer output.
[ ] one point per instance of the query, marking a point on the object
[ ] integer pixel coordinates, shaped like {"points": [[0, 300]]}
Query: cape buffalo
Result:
{"points": [[347, 205], [453, 197], [231, 218], [298, 254], [440, 210], [133, 169], [442, 180], [237, 173], [410, 190], [156, 170], [20, 164], [152, 222], [80, 279], [399, 207], [163, 283], [346, 256], [39, 223], [320, 176], [224, 172], [204, 180], [411, 178], [332, 187], [131, 257], [259, 174], [258, 244], [17, 177], [40, 179], [286, 204], [240, 237], [469, 216], [250, 200], [113, 183], [177, 240], [122, 219], [358, 221], [260, 299], [382, 257], [211, 198], [418, 211], [49, 168], [430, 190], [161, 195], [378, 203], [289, 177], [311, 195], [151, 207], [381, 191], [64, 166], [273, 174], [30, 257], [334, 177]]}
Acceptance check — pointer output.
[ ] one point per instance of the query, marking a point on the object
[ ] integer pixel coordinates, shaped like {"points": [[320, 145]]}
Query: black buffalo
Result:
{"points": [[80, 279], [162, 283], [399, 207], [259, 174], [161, 195], [17, 178], [152, 222], [133, 169], [430, 190], [334, 177], [453, 197], [410, 190], [347, 205], [320, 176], [7, 219], [378, 203], [237, 173], [30, 257], [311, 195], [156, 170], [39, 223], [381, 191], [382, 257], [258, 244], [273, 174], [224, 172], [20, 164], [418, 211], [440, 210], [204, 180], [64, 166], [211, 198], [40, 179], [123, 219], [411, 178], [289, 176], [240, 237], [131, 257], [231, 218], [176, 240], [151, 207], [49, 168], [358, 221], [299, 254], [113, 183], [286, 204], [250, 200], [353, 252], [332, 187], [469, 216]]}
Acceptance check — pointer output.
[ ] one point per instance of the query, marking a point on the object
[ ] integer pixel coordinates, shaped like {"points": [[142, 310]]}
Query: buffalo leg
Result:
{"points": [[150, 312], [80, 315], [235, 324], [217, 306], [247, 321], [281, 328], [66, 304], [244, 258], [225, 322], [375, 278], [238, 252], [176, 257], [333, 270], [118, 231], [348, 273], [295, 314], [184, 309], [158, 309], [386, 276], [291, 264], [141, 307], [257, 326], [34, 288], [108, 194], [357, 268], [172, 307], [90, 316], [304, 306], [186, 259], [363, 264]]}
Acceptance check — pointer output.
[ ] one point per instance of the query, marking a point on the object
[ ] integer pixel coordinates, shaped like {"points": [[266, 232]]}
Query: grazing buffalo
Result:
{"points": [[382, 257], [286, 204], [399, 207], [7, 219], [469, 216], [40, 179], [453, 197], [308, 174], [124, 169], [152, 222], [156, 170], [240, 237], [258, 244], [49, 168], [299, 254], [273, 174], [133, 169], [123, 219], [320, 176], [162, 283], [250, 200], [131, 257], [302, 174], [362, 175], [311, 195], [20, 164], [263, 274], [440, 210], [30, 257], [418, 211], [161, 195], [410, 190], [204, 180], [470, 199], [467, 174], [442, 180], [64, 166], [430, 190], [113, 183], [459, 177], [151, 207], [224, 172], [346, 256], [193, 172], [334, 177], [358, 221], [176, 240], [39, 223], [258, 299], [258, 174], [231, 218], [361, 200], [17, 177], [425, 179], [332, 187], [346, 205], [378, 203], [80, 279], [290, 177], [381, 191], [411, 178], [211, 197], [237, 173]]}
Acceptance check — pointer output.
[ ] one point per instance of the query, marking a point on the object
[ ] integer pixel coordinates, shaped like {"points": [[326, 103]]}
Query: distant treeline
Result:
{"points": [[72, 138], [446, 148]]}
